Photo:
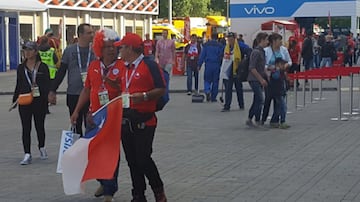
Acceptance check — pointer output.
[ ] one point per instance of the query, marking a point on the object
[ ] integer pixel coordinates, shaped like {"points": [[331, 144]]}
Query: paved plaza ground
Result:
{"points": [[205, 155]]}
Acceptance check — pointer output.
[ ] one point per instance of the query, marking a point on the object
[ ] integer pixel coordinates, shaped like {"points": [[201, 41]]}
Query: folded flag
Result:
{"points": [[94, 156]]}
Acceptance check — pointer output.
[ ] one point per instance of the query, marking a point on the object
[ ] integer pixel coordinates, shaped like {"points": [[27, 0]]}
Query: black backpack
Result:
{"points": [[243, 66], [163, 100]]}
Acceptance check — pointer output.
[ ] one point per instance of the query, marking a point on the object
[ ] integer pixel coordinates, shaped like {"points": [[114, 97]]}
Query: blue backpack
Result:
{"points": [[163, 100]]}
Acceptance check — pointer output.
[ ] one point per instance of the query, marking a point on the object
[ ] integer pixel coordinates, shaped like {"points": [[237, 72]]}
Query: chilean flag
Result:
{"points": [[94, 156]]}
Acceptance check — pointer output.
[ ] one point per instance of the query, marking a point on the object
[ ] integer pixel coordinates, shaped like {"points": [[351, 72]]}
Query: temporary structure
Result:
{"points": [[21, 5]]}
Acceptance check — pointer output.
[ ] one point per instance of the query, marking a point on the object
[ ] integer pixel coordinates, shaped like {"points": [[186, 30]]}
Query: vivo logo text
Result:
{"points": [[260, 11]]}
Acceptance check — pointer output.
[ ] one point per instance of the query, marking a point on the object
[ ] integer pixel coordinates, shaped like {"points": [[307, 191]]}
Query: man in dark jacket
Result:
{"points": [[307, 51], [328, 52]]}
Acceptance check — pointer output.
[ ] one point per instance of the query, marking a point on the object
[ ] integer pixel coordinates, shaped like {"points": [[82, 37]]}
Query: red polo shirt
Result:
{"points": [[145, 79], [94, 82]]}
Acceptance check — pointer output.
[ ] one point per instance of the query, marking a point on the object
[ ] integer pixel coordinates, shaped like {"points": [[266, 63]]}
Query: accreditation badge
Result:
{"points": [[126, 100], [35, 91], [103, 97], [83, 76]]}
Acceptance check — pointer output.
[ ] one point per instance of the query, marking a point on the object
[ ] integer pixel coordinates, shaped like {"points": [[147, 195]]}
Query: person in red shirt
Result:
{"points": [[190, 59], [295, 55], [149, 47], [102, 84], [142, 84], [294, 51], [349, 50]]}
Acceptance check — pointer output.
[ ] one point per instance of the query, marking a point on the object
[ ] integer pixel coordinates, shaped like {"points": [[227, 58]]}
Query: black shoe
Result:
{"points": [[241, 108], [208, 97], [138, 197], [225, 110]]}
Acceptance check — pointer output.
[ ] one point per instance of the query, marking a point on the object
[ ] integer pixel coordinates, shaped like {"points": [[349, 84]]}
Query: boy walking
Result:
{"points": [[277, 88]]}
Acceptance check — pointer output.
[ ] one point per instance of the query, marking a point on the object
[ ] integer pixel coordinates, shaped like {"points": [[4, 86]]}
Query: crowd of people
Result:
{"points": [[100, 67]]}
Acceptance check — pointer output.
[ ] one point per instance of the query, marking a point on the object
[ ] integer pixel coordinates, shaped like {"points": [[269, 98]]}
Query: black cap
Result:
{"points": [[231, 34], [30, 45], [280, 60], [309, 32]]}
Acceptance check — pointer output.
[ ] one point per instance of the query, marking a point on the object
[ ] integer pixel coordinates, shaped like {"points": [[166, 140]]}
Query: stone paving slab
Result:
{"points": [[206, 155]]}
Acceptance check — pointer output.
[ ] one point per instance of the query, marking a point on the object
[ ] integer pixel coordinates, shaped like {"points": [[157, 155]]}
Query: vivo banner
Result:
{"points": [[272, 8]]}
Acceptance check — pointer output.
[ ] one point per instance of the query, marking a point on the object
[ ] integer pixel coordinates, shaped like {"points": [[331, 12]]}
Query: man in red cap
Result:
{"points": [[142, 84]]}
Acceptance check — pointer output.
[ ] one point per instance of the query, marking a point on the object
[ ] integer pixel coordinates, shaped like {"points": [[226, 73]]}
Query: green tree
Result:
{"points": [[218, 7], [181, 8]]}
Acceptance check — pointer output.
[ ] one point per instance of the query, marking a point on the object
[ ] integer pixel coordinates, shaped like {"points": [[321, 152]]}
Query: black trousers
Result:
{"points": [[267, 104], [37, 110], [71, 101], [137, 144]]}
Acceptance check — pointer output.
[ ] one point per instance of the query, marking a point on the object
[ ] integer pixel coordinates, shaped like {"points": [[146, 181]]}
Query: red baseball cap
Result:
{"points": [[130, 39]]}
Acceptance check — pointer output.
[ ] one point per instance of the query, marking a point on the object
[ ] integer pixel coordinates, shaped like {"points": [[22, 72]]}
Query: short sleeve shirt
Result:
{"points": [[146, 77], [165, 49], [95, 83], [70, 57]]}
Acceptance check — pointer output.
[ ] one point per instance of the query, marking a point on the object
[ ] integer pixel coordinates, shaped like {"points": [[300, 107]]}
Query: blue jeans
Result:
{"points": [[308, 63], [326, 62], [228, 83], [190, 72], [258, 100], [283, 109], [316, 59], [277, 109], [111, 186], [280, 109]]}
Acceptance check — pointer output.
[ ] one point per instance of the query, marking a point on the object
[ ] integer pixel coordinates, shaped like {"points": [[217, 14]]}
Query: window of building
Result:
{"points": [[26, 32], [139, 31], [70, 34], [128, 29]]}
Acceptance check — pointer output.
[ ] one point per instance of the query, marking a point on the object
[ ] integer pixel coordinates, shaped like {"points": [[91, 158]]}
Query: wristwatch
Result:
{"points": [[146, 98]]}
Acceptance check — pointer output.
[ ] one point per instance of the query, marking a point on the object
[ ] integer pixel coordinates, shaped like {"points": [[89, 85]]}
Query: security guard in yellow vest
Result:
{"points": [[48, 56]]}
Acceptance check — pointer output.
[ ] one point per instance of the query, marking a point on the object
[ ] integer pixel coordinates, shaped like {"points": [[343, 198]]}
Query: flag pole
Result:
{"points": [[329, 22]]}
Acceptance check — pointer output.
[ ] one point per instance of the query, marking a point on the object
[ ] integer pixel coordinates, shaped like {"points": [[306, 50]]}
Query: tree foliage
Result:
{"points": [[192, 8]]}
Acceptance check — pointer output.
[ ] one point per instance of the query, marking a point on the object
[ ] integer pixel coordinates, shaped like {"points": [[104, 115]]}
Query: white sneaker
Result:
{"points": [[43, 153], [27, 159]]}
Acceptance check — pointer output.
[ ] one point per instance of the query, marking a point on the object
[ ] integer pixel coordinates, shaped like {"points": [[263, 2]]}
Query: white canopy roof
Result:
{"points": [[21, 5]]}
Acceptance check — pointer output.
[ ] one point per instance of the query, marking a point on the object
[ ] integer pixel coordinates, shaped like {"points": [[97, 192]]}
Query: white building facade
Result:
{"points": [[248, 15], [63, 17]]}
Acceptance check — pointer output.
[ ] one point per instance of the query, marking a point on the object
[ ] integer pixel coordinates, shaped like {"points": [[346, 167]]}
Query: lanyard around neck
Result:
{"points": [[33, 76], [128, 80], [107, 69], [79, 58]]}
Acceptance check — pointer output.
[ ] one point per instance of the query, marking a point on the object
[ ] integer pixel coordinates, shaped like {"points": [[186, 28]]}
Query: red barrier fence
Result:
{"points": [[328, 73], [325, 73]]}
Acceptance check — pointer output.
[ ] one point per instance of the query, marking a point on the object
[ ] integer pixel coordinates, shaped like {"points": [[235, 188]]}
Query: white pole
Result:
{"points": [[170, 12]]}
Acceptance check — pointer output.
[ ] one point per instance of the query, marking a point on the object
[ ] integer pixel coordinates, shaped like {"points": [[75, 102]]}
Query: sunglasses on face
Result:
{"points": [[28, 49]]}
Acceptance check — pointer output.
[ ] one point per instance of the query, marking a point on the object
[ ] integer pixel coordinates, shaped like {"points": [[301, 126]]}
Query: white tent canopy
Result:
{"points": [[21, 5]]}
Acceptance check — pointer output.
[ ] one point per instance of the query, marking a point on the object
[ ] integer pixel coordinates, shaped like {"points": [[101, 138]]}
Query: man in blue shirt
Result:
{"points": [[212, 55]]}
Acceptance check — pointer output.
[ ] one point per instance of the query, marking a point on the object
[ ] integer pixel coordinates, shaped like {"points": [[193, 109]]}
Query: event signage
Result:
{"points": [[271, 8]]}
